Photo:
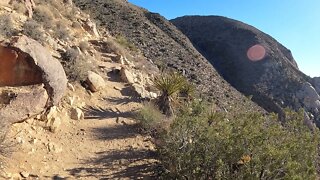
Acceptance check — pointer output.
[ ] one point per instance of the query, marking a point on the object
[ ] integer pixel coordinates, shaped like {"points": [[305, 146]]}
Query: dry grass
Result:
{"points": [[34, 30], [6, 147], [76, 65], [7, 28], [44, 15]]}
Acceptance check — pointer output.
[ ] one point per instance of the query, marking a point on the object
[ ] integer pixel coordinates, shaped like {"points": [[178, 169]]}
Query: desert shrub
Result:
{"points": [[151, 119], [76, 25], [70, 13], [76, 65], [7, 28], [34, 30], [19, 7], [169, 85], [125, 43], [112, 46], [250, 146], [43, 15], [61, 31], [84, 45]]}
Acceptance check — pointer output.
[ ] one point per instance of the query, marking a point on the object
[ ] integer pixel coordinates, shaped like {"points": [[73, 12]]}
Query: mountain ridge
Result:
{"points": [[226, 43]]}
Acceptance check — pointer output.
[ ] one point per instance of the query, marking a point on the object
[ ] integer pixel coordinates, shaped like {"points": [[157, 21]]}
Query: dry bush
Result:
{"points": [[70, 13], [76, 65], [44, 15], [76, 25], [151, 119], [125, 43], [84, 46], [114, 47], [34, 30], [19, 7], [7, 28], [62, 32]]}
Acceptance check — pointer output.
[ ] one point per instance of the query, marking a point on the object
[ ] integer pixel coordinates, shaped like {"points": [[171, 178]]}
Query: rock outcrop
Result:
{"points": [[251, 61], [30, 79]]}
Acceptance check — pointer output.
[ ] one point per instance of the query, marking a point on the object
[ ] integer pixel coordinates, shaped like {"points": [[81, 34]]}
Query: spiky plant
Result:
{"points": [[169, 85], [187, 92]]}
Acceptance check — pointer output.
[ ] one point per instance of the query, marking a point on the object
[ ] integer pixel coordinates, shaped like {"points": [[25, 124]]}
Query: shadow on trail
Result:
{"points": [[130, 163], [122, 101], [91, 112], [121, 131]]}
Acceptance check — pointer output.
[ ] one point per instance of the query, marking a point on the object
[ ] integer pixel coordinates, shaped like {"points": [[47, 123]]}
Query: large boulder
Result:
{"points": [[310, 98], [24, 66], [95, 82], [32, 57], [20, 103]]}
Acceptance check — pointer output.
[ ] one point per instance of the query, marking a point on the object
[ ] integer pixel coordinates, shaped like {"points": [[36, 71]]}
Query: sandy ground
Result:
{"points": [[105, 145]]}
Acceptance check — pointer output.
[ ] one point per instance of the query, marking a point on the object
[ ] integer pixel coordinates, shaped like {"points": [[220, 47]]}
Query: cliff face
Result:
{"points": [[162, 43], [251, 61]]}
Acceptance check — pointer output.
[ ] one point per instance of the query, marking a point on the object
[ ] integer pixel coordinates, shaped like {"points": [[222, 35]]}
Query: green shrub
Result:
{"points": [[250, 146], [151, 119], [125, 43], [169, 85]]}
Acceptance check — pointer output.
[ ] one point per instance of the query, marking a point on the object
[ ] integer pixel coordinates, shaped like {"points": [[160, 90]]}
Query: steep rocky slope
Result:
{"points": [[163, 44], [251, 61], [83, 129]]}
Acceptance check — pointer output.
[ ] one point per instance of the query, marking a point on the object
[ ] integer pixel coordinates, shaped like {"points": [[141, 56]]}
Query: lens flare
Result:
{"points": [[256, 52]]}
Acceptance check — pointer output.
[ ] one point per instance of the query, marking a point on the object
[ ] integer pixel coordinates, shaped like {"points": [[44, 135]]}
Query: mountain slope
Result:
{"points": [[163, 44], [273, 79]]}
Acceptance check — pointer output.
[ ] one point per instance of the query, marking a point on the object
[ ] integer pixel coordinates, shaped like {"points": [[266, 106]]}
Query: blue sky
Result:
{"points": [[294, 23]]}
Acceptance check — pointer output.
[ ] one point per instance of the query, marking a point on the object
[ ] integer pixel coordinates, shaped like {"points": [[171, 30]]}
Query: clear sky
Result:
{"points": [[294, 23]]}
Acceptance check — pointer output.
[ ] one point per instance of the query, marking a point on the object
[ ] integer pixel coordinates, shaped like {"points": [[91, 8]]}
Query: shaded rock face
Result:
{"points": [[52, 72], [162, 43], [20, 103], [30, 79], [17, 68], [250, 60]]}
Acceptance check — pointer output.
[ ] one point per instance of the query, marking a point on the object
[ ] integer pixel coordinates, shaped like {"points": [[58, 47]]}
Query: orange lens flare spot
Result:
{"points": [[256, 53]]}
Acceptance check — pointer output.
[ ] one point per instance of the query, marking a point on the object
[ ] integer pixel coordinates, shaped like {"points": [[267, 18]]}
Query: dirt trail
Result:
{"points": [[105, 145]]}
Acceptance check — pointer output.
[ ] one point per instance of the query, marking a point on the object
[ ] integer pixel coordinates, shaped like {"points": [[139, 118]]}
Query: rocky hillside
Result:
{"points": [[68, 94], [251, 61], [164, 45]]}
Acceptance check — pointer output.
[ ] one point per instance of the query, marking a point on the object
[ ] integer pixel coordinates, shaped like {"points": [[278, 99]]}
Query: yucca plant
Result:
{"points": [[169, 85]]}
